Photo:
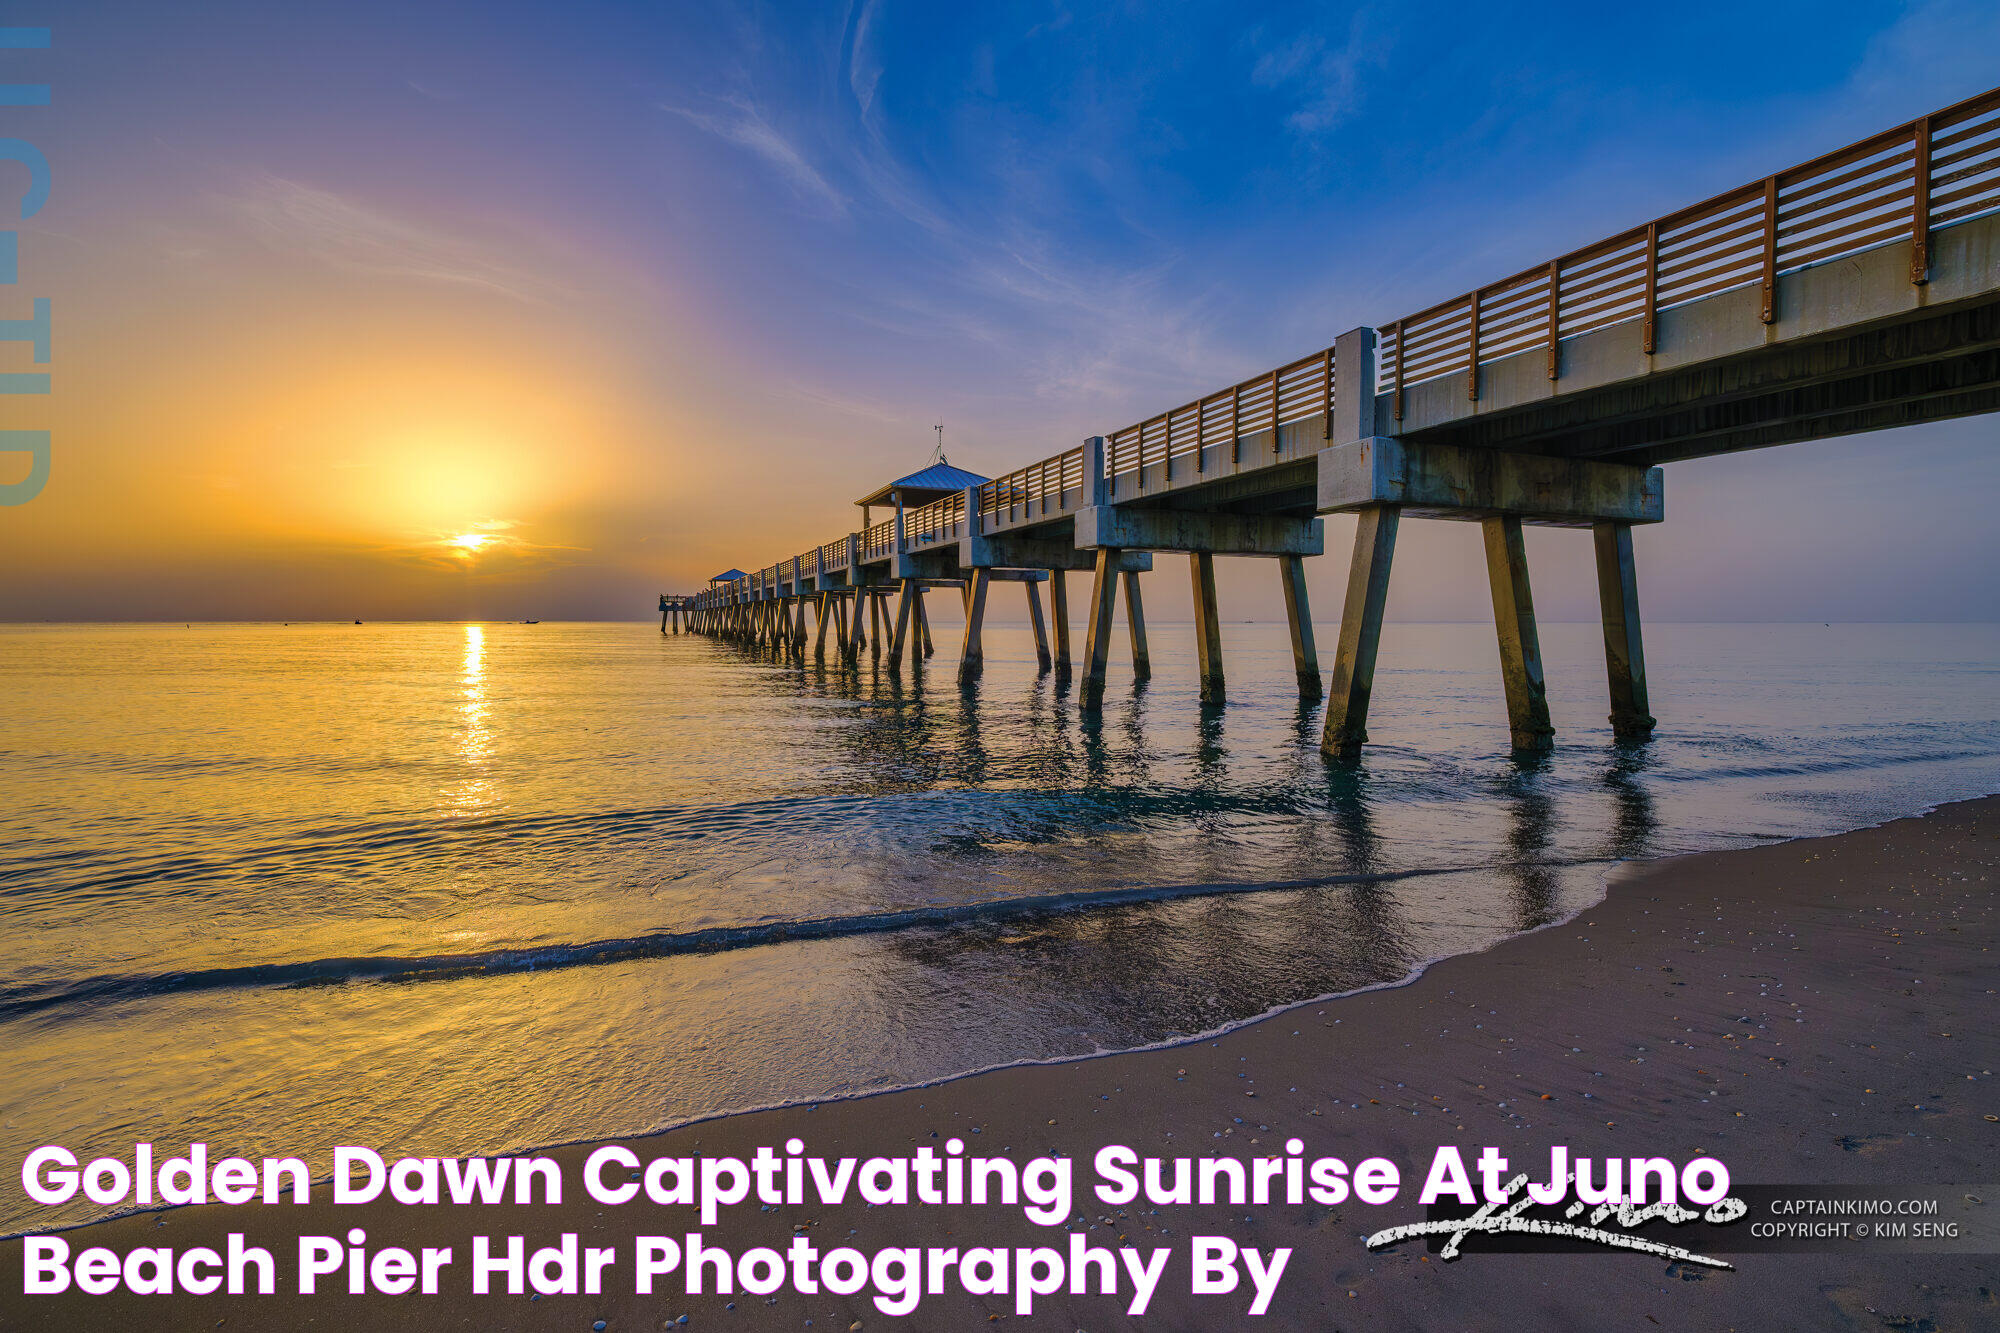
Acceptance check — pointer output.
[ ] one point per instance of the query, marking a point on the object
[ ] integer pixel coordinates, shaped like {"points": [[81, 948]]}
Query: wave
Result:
{"points": [[1016, 814], [21, 999]]}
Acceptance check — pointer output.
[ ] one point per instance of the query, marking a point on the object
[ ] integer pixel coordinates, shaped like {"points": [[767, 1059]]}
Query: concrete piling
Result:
{"points": [[924, 623], [1346, 729], [902, 624], [1207, 627], [1624, 655], [1059, 612], [859, 628], [972, 655], [1135, 622], [1033, 591], [1520, 645], [1097, 637], [1298, 615]]}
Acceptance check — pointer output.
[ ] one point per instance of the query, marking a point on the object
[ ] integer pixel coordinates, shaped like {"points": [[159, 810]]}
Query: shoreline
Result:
{"points": [[709, 940], [1329, 1262]]}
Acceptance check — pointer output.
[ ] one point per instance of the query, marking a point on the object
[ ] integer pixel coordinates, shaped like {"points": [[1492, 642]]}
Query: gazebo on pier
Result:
{"points": [[919, 488]]}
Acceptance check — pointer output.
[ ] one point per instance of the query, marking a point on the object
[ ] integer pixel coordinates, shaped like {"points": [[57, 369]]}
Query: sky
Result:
{"points": [[495, 310]]}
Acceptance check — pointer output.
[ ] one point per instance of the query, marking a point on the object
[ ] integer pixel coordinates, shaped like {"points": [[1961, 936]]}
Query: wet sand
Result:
{"points": [[1820, 1011]]}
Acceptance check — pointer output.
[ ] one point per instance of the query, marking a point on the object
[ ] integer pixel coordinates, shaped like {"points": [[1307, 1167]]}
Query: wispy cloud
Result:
{"points": [[745, 126], [1329, 73], [864, 66], [292, 218], [1942, 44], [847, 404]]}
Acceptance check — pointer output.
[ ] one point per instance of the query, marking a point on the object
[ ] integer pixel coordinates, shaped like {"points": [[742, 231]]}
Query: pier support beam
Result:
{"points": [[972, 655], [1444, 481], [1298, 614], [1034, 593], [924, 623], [902, 625], [1059, 612], [1097, 638], [1207, 627], [1520, 646], [1138, 530], [1135, 621], [858, 629], [1360, 631], [1624, 656], [825, 615]]}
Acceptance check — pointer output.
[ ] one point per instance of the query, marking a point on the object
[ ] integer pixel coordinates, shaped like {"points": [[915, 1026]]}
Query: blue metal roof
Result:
{"points": [[939, 478], [728, 576]]}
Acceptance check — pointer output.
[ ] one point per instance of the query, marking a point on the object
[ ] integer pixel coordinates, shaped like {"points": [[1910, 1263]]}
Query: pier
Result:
{"points": [[1855, 292]]}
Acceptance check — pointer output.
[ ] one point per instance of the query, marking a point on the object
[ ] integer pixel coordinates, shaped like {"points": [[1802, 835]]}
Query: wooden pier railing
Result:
{"points": [[1189, 443], [939, 521], [1039, 491], [1902, 184]]}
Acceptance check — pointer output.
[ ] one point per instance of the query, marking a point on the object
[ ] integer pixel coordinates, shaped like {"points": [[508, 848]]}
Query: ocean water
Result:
{"points": [[444, 888]]}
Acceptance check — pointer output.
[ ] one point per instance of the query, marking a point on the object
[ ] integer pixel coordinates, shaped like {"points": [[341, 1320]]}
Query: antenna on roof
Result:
{"points": [[937, 454]]}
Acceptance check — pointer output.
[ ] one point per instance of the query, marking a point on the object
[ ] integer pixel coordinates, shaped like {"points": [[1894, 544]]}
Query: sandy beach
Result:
{"points": [[1818, 1011]]}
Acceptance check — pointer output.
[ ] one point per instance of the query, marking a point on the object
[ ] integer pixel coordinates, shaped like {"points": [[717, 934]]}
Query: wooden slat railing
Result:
{"points": [[1048, 489], [1186, 444], [939, 521], [1900, 185]]}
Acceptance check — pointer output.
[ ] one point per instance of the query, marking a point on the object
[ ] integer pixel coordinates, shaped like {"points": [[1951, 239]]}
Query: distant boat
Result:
{"points": [[357, 622], [531, 622]]}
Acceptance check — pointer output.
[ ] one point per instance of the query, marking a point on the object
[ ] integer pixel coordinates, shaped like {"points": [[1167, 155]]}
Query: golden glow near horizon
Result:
{"points": [[430, 451]]}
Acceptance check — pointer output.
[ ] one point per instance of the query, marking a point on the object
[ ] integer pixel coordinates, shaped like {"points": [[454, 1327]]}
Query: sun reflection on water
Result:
{"points": [[473, 792]]}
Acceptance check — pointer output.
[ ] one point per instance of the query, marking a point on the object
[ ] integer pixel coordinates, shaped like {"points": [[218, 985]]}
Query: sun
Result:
{"points": [[483, 537]]}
